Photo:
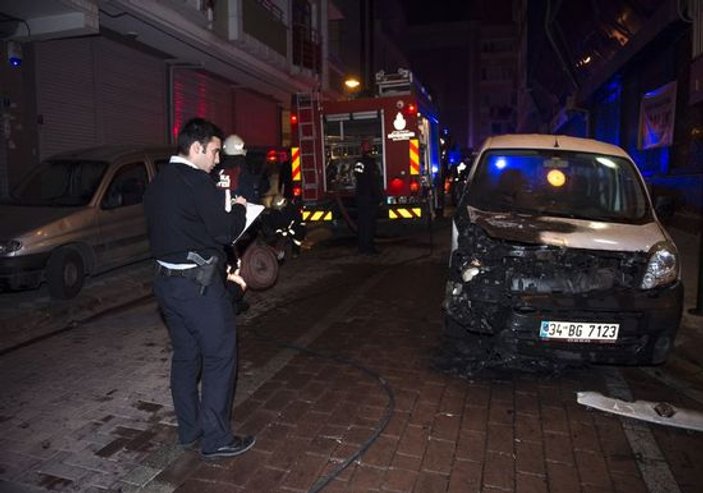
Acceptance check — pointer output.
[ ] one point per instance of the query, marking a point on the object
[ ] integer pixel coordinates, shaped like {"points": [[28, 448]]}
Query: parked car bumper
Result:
{"points": [[22, 272]]}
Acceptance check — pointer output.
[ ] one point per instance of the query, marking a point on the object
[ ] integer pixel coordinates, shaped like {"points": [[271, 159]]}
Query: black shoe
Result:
{"points": [[238, 446]]}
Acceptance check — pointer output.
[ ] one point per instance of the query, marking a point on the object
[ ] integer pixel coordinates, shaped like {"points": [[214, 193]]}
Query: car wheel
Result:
{"points": [[259, 266], [65, 274]]}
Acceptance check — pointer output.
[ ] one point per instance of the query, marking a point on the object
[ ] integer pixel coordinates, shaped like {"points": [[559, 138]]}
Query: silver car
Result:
{"points": [[76, 214]]}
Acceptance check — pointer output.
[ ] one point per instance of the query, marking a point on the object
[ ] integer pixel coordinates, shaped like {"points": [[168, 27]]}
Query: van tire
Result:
{"points": [[65, 274]]}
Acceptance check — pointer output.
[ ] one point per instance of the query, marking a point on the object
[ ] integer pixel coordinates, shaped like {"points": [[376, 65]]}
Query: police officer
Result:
{"points": [[368, 195], [189, 221]]}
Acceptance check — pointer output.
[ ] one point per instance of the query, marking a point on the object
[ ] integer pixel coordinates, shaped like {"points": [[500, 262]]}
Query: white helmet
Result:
{"points": [[234, 146]]}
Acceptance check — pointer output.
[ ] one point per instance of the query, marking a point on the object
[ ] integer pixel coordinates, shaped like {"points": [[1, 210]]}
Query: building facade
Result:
{"points": [[79, 73], [630, 73]]}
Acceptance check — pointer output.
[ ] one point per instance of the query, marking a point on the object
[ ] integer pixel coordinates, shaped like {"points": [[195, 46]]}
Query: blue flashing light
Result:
{"points": [[501, 163], [435, 169], [15, 61]]}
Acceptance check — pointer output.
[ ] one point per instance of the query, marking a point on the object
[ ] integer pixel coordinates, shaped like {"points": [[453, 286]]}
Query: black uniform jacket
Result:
{"points": [[185, 211]]}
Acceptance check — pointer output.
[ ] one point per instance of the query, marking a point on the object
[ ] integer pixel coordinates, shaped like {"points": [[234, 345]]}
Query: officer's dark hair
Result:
{"points": [[197, 130]]}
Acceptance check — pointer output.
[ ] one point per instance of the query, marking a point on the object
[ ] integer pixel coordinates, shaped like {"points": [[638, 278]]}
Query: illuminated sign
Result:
{"points": [[400, 133]]}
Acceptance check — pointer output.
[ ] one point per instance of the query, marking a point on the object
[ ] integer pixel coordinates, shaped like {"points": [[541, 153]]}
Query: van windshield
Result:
{"points": [[559, 183], [65, 182]]}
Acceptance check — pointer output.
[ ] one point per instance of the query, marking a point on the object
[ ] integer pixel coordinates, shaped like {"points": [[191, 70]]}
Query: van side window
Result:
{"points": [[126, 187]]}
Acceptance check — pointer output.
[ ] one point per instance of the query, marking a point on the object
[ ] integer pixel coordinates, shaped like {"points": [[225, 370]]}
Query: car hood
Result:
{"points": [[567, 232], [18, 220]]}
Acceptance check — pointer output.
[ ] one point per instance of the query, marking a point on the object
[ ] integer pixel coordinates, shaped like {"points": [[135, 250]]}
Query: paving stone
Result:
{"points": [[413, 442], [438, 456], [446, 426], [530, 483], [562, 477], [500, 438], [466, 476], [474, 418], [499, 471], [558, 448], [501, 412], [140, 475], [431, 482], [367, 478]]}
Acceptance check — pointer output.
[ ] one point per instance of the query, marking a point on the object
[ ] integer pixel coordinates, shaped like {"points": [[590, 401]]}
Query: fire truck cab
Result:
{"points": [[400, 121]]}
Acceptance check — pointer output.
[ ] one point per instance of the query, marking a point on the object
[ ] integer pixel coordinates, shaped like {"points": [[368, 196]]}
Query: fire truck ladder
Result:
{"points": [[307, 104]]}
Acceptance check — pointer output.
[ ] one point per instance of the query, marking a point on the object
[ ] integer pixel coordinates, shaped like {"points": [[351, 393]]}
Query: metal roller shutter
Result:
{"points": [[93, 91], [65, 95], [131, 88], [198, 94], [257, 119]]}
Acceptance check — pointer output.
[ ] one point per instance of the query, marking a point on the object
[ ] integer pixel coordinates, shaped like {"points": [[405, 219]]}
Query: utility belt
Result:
{"points": [[204, 272]]}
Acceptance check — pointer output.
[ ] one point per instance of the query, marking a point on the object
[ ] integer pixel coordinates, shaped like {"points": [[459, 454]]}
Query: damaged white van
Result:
{"points": [[557, 253]]}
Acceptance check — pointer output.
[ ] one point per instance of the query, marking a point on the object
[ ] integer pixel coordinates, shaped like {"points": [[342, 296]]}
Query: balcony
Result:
{"points": [[306, 48], [263, 21]]}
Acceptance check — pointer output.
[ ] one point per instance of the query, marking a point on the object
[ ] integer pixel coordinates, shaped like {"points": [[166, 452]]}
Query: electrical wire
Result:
{"points": [[323, 481], [12, 18]]}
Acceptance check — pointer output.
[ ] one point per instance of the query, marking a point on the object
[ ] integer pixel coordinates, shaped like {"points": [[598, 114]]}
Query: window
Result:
{"points": [[126, 187]]}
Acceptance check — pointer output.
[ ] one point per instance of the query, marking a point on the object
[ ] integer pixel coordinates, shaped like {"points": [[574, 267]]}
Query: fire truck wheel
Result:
{"points": [[65, 274], [259, 266]]}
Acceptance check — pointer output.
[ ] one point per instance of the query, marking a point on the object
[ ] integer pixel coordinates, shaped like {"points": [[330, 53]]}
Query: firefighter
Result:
{"points": [[368, 195], [232, 163]]}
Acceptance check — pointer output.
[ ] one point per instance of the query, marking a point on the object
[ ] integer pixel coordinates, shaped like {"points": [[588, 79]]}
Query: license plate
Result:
{"points": [[579, 331]]}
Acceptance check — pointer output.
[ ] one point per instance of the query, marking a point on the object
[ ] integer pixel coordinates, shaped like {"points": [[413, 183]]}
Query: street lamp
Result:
{"points": [[352, 83]]}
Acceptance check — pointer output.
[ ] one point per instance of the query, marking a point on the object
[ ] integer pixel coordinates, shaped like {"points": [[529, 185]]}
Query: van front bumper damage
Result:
{"points": [[504, 290]]}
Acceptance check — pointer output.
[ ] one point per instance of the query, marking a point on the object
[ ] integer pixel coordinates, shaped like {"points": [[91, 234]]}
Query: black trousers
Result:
{"points": [[367, 210], [204, 339]]}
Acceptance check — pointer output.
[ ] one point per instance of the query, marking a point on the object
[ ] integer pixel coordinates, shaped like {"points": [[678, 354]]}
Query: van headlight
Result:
{"points": [[9, 246], [663, 266]]}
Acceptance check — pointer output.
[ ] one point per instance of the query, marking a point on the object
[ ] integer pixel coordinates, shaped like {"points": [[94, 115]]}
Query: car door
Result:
{"points": [[121, 220]]}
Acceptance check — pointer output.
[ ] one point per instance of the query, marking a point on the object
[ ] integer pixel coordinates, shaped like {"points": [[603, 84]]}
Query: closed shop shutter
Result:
{"points": [[132, 93], [257, 119], [65, 95], [93, 91], [197, 94]]}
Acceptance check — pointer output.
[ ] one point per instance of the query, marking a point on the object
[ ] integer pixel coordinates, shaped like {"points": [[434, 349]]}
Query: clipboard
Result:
{"points": [[253, 211]]}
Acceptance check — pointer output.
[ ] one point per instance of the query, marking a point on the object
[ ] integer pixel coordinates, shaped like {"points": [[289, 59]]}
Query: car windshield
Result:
{"points": [[66, 182], [559, 183]]}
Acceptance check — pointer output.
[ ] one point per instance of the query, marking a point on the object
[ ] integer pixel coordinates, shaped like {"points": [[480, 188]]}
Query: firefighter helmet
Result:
{"points": [[234, 146]]}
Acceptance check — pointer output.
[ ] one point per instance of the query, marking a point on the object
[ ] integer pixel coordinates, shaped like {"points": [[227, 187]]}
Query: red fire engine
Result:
{"points": [[402, 123]]}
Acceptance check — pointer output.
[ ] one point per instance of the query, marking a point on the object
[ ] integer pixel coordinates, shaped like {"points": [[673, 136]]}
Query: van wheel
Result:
{"points": [[65, 274], [259, 266]]}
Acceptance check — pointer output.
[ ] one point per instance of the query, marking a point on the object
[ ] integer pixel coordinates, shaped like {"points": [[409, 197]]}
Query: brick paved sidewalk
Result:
{"points": [[501, 432], [498, 432]]}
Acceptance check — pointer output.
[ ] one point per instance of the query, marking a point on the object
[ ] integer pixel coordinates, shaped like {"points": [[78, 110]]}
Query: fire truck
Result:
{"points": [[402, 124]]}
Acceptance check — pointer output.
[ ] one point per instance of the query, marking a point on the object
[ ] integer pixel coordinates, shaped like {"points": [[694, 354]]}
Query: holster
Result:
{"points": [[205, 271]]}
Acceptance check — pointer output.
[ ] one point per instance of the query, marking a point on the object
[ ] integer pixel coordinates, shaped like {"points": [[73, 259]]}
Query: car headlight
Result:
{"points": [[663, 266], [7, 247]]}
